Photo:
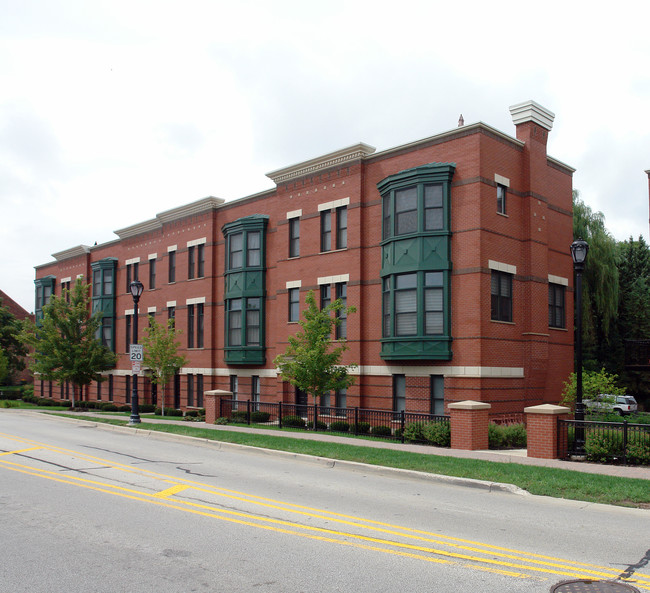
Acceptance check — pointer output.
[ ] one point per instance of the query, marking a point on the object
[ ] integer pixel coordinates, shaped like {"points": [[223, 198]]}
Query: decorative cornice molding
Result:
{"points": [[167, 216], [72, 252], [530, 111], [332, 159]]}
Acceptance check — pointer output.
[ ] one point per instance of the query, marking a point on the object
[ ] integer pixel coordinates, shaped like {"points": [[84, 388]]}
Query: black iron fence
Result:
{"points": [[356, 421], [611, 442]]}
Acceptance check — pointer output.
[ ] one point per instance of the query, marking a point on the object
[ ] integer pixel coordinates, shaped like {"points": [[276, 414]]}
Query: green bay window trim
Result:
{"points": [[44, 291], [104, 273], [416, 264], [245, 290]]}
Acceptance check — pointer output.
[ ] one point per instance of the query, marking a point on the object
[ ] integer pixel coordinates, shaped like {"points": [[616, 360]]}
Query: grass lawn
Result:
{"points": [[559, 483]]}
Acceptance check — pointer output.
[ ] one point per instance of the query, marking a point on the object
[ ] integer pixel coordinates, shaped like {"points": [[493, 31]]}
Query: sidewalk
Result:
{"points": [[497, 456]]}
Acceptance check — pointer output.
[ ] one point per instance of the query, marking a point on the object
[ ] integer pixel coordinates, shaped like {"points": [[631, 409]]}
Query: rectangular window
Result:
{"points": [[501, 293], [326, 230], [255, 392], [406, 211], [171, 314], [199, 391], [190, 326], [127, 334], [172, 267], [386, 216], [294, 237], [433, 211], [342, 227], [294, 304], [152, 274], [433, 303], [191, 259], [406, 309], [236, 251], [107, 282], [99, 390], [556, 314], [234, 322], [253, 248], [129, 277], [190, 390], [399, 393], [341, 398], [200, 256], [342, 295], [110, 388], [253, 334], [234, 387], [437, 395], [199, 325], [325, 295], [501, 198], [107, 331], [97, 283]]}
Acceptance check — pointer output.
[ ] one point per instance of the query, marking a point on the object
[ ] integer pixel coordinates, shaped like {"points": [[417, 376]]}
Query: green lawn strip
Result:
{"points": [[545, 481]]}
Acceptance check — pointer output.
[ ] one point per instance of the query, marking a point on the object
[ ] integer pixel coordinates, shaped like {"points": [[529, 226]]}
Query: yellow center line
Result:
{"points": [[394, 530], [20, 451], [172, 490]]}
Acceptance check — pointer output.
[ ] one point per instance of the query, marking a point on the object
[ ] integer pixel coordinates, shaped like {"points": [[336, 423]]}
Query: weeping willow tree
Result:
{"points": [[599, 286]]}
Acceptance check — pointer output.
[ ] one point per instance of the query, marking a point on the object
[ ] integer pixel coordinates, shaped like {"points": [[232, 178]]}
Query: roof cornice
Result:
{"points": [[333, 159], [72, 252]]}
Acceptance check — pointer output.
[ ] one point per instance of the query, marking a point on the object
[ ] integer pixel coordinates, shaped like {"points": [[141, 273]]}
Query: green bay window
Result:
{"points": [[103, 298], [245, 290], [416, 264]]}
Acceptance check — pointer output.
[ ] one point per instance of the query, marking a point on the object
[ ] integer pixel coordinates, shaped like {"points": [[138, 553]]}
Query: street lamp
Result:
{"points": [[136, 287], [579, 251]]}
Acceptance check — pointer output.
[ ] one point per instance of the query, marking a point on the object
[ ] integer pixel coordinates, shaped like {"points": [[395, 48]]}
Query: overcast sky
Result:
{"points": [[111, 112]]}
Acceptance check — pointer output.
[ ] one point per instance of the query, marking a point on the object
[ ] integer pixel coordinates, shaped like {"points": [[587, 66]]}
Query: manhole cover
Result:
{"points": [[582, 586]]}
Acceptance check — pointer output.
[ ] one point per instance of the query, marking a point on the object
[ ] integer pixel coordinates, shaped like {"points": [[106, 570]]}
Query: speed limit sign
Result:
{"points": [[136, 353]]}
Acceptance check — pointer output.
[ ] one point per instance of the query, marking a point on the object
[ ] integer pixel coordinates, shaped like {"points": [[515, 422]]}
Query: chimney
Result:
{"points": [[533, 122]]}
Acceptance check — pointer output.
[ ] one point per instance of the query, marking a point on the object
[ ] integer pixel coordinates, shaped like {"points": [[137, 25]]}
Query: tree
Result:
{"points": [[594, 383], [161, 354], [312, 361], [600, 283], [4, 367], [13, 348], [65, 341]]}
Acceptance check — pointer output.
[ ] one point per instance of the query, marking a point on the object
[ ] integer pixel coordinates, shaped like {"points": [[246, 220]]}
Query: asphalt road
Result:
{"points": [[84, 509]]}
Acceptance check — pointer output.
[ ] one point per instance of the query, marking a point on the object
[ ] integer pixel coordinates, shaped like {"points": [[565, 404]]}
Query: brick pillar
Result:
{"points": [[469, 425], [542, 431], [211, 401]]}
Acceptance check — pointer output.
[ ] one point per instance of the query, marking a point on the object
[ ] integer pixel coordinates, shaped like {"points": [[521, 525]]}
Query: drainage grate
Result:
{"points": [[588, 586]]}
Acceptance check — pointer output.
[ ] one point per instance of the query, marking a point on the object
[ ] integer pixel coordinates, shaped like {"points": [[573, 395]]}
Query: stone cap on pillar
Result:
{"points": [[548, 409], [469, 405], [217, 392]]}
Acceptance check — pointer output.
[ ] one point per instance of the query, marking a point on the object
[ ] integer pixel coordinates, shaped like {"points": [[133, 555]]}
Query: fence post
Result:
{"points": [[542, 432], [210, 403], [625, 437], [356, 421], [469, 425], [315, 417], [279, 414], [402, 422], [248, 412]]}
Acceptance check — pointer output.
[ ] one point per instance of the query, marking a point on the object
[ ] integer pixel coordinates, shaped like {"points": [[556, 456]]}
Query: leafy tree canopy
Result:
{"points": [[65, 340], [10, 343], [312, 361], [161, 353], [593, 384]]}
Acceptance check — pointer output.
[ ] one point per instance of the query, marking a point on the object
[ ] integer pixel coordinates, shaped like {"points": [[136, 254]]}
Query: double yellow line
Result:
{"points": [[363, 533]]}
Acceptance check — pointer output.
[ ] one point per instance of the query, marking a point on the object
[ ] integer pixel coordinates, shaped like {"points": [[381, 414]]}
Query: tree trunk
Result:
{"points": [[74, 394]]}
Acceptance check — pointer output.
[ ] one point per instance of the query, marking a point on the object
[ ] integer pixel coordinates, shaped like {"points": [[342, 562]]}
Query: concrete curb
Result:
{"points": [[377, 470]]}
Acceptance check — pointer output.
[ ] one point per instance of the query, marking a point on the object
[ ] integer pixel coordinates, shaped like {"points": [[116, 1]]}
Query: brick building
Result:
{"points": [[454, 249], [24, 376]]}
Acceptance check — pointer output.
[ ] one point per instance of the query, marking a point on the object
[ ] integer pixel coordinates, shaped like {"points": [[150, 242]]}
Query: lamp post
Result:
{"points": [[136, 287], [579, 249]]}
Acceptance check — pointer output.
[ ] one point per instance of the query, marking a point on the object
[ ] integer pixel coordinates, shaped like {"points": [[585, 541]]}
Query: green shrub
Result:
{"points": [[41, 401], [413, 432], [293, 422], [109, 407], [602, 446], [30, 399], [239, 416], [147, 408], [510, 436], [169, 412], [382, 431], [320, 425], [10, 394], [192, 414], [125, 408], [260, 417], [361, 428], [340, 426], [437, 434], [638, 452], [222, 420], [6, 403], [66, 403], [27, 390]]}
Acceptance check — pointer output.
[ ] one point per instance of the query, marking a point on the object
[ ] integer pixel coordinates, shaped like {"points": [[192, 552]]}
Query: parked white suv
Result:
{"points": [[623, 404]]}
